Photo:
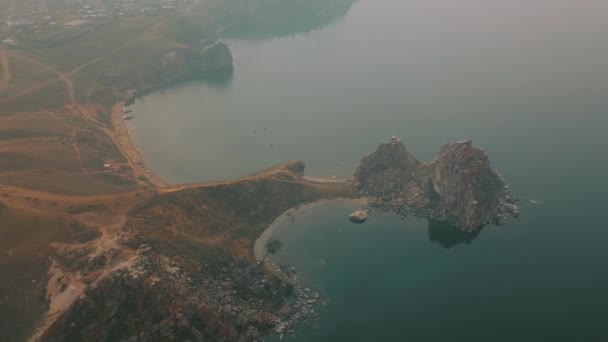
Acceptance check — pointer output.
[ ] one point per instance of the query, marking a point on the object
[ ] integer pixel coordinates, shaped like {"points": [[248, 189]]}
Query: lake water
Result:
{"points": [[527, 80]]}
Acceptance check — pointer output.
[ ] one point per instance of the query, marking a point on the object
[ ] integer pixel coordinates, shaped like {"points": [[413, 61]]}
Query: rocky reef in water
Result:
{"points": [[458, 187]]}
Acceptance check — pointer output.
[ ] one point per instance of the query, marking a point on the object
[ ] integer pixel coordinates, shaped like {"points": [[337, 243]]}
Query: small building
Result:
{"points": [[10, 41]]}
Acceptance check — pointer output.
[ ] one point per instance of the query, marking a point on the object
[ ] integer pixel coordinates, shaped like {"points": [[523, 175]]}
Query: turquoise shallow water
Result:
{"points": [[387, 281], [527, 80]]}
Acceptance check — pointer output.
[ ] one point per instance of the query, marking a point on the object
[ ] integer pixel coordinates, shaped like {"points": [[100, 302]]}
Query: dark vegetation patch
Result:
{"points": [[115, 179], [24, 246], [105, 117], [20, 133], [94, 207], [88, 235], [104, 97], [65, 184], [52, 96]]}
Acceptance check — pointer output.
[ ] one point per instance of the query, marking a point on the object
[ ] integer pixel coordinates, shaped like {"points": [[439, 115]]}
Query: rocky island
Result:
{"points": [[458, 187]]}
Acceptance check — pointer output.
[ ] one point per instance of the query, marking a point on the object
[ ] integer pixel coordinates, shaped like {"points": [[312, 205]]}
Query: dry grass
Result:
{"points": [[22, 284], [106, 40], [25, 76], [71, 183], [228, 213], [52, 95]]}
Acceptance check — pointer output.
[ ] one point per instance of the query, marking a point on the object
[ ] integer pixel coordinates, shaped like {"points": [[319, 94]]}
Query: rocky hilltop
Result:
{"points": [[151, 296], [178, 264], [458, 187], [215, 58], [178, 65]]}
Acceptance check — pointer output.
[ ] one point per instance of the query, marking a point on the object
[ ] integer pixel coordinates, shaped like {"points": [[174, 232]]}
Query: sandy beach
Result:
{"points": [[130, 151], [325, 180], [287, 217]]}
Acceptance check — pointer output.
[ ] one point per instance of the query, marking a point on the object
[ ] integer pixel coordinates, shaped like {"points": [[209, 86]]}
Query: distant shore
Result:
{"points": [[287, 218]]}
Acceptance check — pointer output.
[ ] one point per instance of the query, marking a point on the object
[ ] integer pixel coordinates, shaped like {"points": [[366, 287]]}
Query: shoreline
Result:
{"points": [[325, 180], [134, 156], [138, 163], [287, 217], [140, 166]]}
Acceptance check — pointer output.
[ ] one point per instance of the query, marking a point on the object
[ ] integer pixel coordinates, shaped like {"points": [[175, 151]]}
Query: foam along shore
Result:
{"points": [[326, 180], [298, 212]]}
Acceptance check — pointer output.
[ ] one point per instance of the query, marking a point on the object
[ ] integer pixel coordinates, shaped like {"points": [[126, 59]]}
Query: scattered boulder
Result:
{"points": [[358, 216]]}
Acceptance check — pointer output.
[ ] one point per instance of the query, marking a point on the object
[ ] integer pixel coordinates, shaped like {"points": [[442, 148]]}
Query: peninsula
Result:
{"points": [[79, 207], [95, 245]]}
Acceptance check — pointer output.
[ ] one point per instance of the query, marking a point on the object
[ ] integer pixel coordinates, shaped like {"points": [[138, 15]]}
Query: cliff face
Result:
{"points": [[216, 57], [389, 158], [188, 62], [467, 188], [162, 68], [458, 186]]}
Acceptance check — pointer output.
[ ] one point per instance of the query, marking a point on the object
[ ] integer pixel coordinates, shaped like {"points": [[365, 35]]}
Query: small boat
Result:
{"points": [[128, 117]]}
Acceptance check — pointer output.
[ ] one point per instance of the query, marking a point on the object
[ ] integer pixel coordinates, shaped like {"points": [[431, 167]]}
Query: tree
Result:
{"points": [[272, 246]]}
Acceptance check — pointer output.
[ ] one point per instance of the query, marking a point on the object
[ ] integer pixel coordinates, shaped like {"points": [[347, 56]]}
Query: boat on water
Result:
{"points": [[127, 116]]}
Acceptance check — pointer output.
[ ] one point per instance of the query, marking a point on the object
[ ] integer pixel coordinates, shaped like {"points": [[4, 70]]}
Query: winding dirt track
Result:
{"points": [[7, 73]]}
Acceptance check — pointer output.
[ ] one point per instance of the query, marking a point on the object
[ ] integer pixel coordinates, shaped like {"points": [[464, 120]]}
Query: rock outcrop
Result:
{"points": [[156, 298], [458, 187], [358, 216], [391, 158], [216, 57], [200, 62]]}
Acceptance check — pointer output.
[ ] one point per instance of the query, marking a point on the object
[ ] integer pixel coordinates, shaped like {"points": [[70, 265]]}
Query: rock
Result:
{"points": [[216, 57], [470, 192], [358, 216], [175, 306], [143, 249], [389, 156], [458, 187]]}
